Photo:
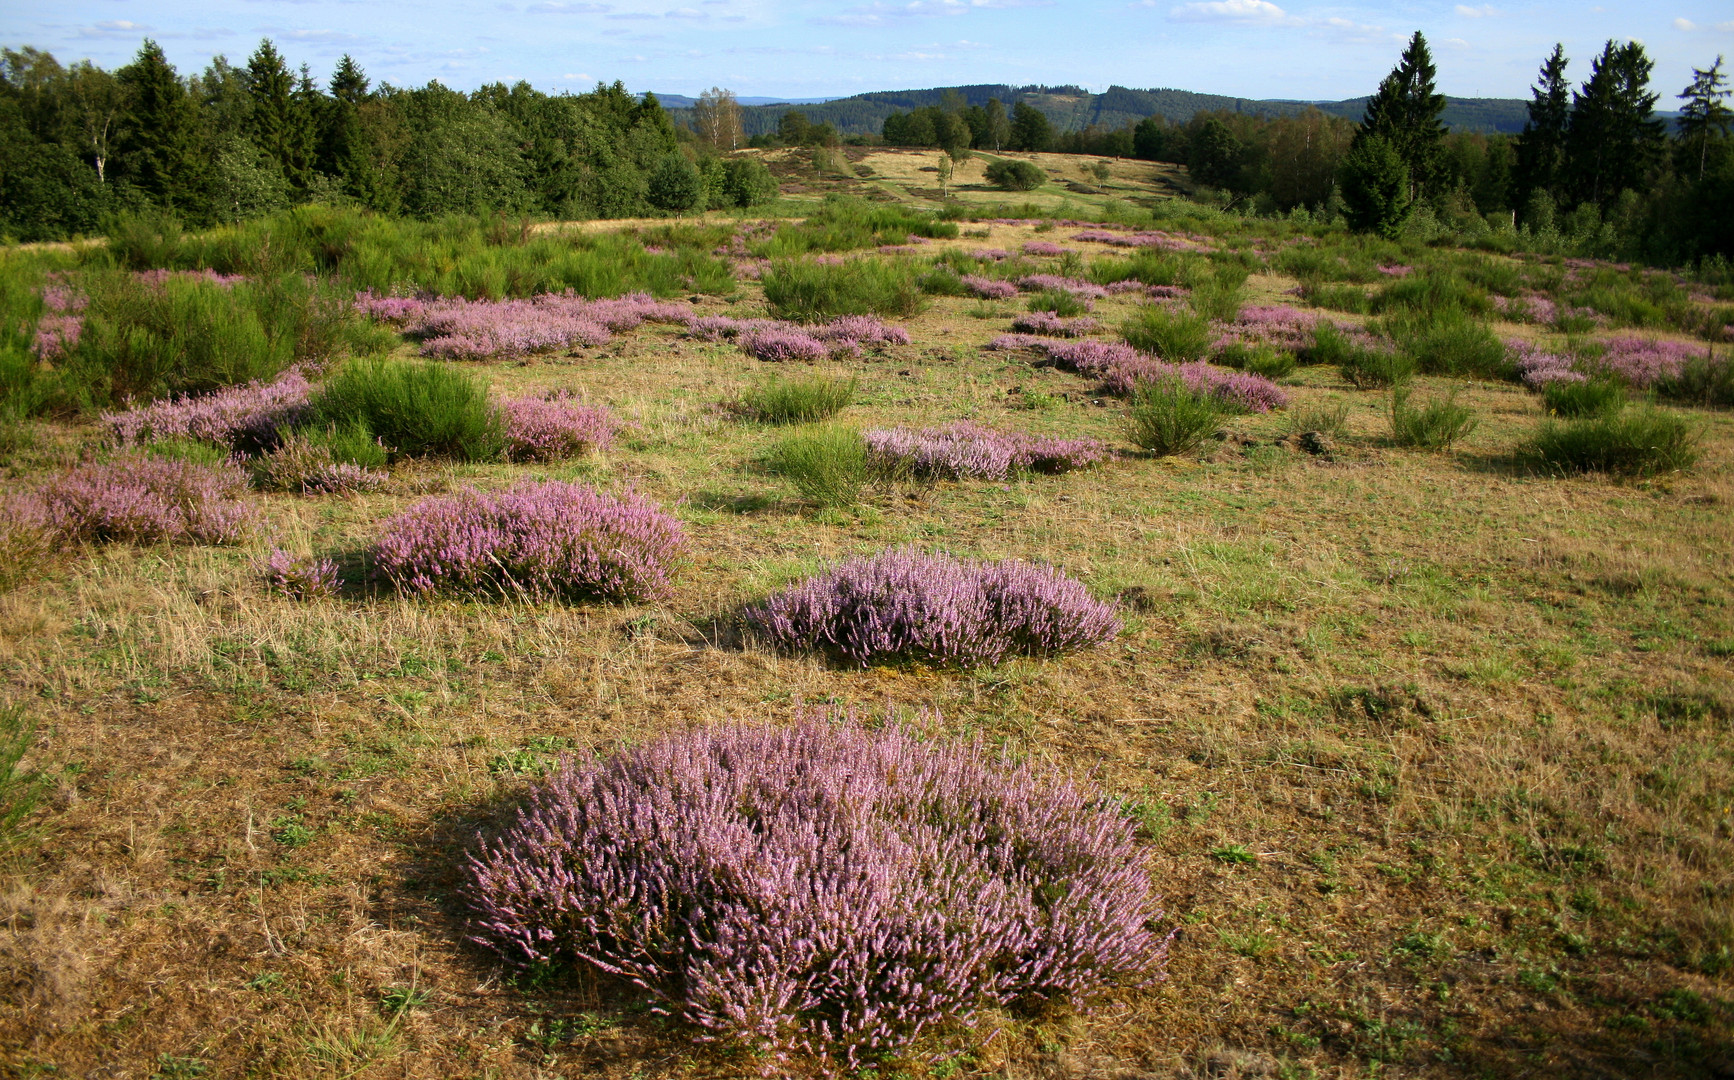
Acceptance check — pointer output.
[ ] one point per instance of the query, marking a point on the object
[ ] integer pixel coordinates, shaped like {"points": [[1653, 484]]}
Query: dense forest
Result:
{"points": [[79, 144]]}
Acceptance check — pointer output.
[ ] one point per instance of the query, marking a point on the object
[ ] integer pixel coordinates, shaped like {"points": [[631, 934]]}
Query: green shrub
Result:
{"points": [[1591, 397], [1177, 336], [849, 224], [417, 409], [1260, 359], [942, 282], [1013, 175], [814, 292], [1340, 298], [1332, 419], [20, 789], [1149, 266], [1636, 441], [1433, 426], [1165, 417], [1218, 300], [1058, 301], [1432, 292], [747, 181], [798, 400], [826, 465], [1703, 380], [1369, 368], [145, 240], [1450, 342]]}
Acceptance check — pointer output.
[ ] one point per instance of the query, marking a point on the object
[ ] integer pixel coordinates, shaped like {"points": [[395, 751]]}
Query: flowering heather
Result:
{"points": [[861, 330], [241, 418], [1396, 270], [969, 451], [990, 254], [1044, 247], [1121, 368], [144, 500], [989, 288], [1641, 361], [1277, 325], [303, 465], [303, 577], [1084, 290], [1151, 239], [160, 276], [60, 327], [821, 889], [1050, 323], [399, 310], [1154, 292], [778, 344], [719, 327], [476, 329], [544, 539], [897, 249], [555, 427], [1537, 367], [1531, 307], [903, 603], [1013, 342]]}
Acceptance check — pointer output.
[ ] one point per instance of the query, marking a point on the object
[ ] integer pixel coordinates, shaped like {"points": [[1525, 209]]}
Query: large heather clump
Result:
{"points": [[989, 288], [555, 427], [1642, 362], [821, 889], [1083, 290], [1122, 369], [902, 603], [777, 344], [242, 418], [541, 539], [143, 500], [463, 329], [966, 450]]}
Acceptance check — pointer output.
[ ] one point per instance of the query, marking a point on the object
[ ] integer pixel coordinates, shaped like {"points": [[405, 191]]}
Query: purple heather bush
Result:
{"points": [[541, 539], [555, 427], [1050, 324], [990, 254], [478, 329], [1121, 368], [242, 417], [1146, 239], [966, 450], [1083, 290], [903, 603], [300, 577], [1277, 325], [1640, 362], [1532, 308], [823, 889], [1044, 247], [144, 500], [989, 288], [721, 327], [61, 324], [1537, 367], [861, 330], [779, 344]]}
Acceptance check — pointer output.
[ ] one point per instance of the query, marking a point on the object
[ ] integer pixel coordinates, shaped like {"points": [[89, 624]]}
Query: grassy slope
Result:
{"points": [[1433, 754]]}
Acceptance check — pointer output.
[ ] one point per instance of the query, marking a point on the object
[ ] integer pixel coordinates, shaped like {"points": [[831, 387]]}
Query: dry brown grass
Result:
{"points": [[1433, 755]]}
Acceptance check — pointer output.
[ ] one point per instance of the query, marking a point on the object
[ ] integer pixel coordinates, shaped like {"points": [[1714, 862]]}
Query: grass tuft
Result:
{"points": [[1168, 417], [1637, 442], [1432, 426], [802, 399], [826, 465]]}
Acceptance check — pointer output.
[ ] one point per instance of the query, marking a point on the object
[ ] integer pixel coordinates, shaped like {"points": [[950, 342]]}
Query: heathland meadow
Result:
{"points": [[1103, 636]]}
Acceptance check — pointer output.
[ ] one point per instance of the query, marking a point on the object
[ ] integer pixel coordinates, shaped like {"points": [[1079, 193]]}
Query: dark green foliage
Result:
{"points": [[941, 281], [1013, 174], [814, 292], [1061, 303], [801, 399], [1030, 129], [1370, 368], [1449, 342], [1541, 148], [1176, 336], [748, 182], [1219, 296], [1167, 417], [1148, 266], [1703, 380], [1215, 157], [1404, 113], [826, 465], [1376, 187], [1613, 137], [1637, 441], [1591, 397], [1432, 426], [675, 185], [1704, 116], [1258, 359], [415, 409]]}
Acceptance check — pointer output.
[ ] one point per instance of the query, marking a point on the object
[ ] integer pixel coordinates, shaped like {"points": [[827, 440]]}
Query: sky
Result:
{"points": [[806, 48]]}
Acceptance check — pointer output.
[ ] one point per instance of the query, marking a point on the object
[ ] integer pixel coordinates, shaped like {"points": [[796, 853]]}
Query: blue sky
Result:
{"points": [[805, 48]]}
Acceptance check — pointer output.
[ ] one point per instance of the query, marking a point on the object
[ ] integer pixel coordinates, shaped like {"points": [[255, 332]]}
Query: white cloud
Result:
{"points": [[1485, 11], [565, 7], [1685, 24], [1235, 11], [576, 77], [1456, 43], [113, 28], [876, 14]]}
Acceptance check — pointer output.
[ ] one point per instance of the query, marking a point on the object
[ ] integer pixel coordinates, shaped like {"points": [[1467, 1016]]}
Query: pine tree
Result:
{"points": [[162, 149], [1613, 136], [1541, 146], [1405, 113], [1704, 113], [341, 148], [271, 119]]}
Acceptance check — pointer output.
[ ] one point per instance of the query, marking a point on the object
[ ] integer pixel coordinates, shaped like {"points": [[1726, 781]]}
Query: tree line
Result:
{"points": [[79, 144]]}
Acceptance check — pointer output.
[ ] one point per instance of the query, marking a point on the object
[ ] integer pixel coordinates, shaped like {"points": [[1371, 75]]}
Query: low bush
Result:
{"points": [[1450, 342], [1370, 367], [549, 539], [1432, 426], [556, 427], [1177, 336], [826, 465], [1166, 416], [1331, 419], [1059, 302], [1050, 324], [909, 605], [299, 577], [245, 419], [415, 408], [144, 500], [1432, 293], [1219, 297], [1701, 380], [1259, 359], [815, 291], [1636, 441], [1011, 174], [823, 889], [1583, 397], [802, 399], [966, 450], [316, 460]]}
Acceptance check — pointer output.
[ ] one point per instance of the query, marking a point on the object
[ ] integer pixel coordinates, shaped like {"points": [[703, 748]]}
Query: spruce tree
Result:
{"points": [[271, 119], [1704, 114], [1541, 146], [1613, 137], [1405, 113], [162, 151]]}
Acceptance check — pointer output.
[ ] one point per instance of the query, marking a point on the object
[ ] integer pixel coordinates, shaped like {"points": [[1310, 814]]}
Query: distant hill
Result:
{"points": [[681, 101], [1072, 108]]}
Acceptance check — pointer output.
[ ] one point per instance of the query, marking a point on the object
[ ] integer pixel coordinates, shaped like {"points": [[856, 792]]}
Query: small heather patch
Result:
{"points": [[1050, 323], [990, 254], [1122, 369], [1276, 325], [822, 889], [989, 288], [244, 418], [1153, 238], [145, 500], [724, 327], [779, 344], [62, 322], [555, 427], [857, 330], [1641, 362], [906, 604], [970, 451], [540, 539], [1044, 247], [1083, 290], [307, 465], [1538, 367], [300, 577]]}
